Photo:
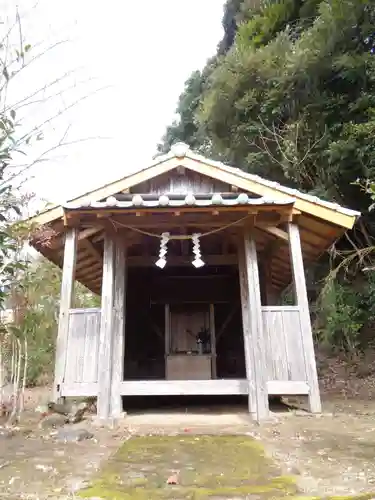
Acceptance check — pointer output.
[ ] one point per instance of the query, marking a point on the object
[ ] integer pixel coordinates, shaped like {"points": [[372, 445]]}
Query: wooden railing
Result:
{"points": [[284, 354]]}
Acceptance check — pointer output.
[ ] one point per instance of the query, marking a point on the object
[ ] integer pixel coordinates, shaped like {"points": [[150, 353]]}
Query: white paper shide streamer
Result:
{"points": [[197, 262], [161, 262]]}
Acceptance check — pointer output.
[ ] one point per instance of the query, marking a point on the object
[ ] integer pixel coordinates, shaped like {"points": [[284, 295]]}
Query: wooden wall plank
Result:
{"points": [[82, 349], [76, 325], [80, 390], [92, 339], [282, 333], [175, 183]]}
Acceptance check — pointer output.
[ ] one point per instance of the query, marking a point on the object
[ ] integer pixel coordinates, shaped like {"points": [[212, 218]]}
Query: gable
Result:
{"points": [[181, 181], [164, 172]]}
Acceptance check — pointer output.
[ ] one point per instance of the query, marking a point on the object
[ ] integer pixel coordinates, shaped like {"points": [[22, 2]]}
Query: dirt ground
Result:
{"points": [[324, 456]]}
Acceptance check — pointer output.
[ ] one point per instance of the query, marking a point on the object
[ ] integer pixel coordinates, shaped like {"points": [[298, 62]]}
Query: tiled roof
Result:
{"points": [[260, 180], [165, 200]]}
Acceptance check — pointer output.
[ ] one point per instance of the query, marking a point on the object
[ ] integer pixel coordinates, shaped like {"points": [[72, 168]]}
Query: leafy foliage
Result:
{"points": [[292, 98], [340, 317], [187, 127]]}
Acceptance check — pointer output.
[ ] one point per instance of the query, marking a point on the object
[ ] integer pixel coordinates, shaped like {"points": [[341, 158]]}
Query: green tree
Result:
{"points": [[186, 127], [291, 97]]}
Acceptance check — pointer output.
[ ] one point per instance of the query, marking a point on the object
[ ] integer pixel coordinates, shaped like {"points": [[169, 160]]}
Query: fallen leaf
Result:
{"points": [[173, 479]]}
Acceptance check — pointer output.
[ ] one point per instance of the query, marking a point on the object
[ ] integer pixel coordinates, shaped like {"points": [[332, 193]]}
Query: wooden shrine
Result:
{"points": [[190, 258]]}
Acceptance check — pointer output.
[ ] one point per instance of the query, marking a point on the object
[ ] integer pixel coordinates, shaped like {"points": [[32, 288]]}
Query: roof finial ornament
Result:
{"points": [[180, 149]]}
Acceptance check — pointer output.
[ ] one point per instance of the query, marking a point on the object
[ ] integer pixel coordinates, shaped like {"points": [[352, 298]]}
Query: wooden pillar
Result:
{"points": [[213, 341], [119, 329], [254, 345], [66, 299], [299, 282], [106, 330]]}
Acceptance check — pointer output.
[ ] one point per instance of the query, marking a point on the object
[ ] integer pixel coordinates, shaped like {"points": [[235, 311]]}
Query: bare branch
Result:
{"points": [[41, 157]]}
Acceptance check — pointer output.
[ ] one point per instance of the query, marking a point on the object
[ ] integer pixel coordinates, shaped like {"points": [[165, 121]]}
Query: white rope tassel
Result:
{"points": [[197, 262], [163, 250]]}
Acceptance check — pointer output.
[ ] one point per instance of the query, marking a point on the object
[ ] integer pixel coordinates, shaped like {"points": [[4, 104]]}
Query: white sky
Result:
{"points": [[142, 50]]}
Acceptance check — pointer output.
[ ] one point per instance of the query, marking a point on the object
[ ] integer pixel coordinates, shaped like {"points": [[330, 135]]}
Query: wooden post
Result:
{"points": [[254, 344], [299, 282], [119, 329], [106, 330], [66, 298], [167, 338], [213, 341]]}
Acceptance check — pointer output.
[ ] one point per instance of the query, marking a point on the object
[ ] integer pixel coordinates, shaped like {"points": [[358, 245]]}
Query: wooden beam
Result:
{"points": [[94, 274], [106, 331], [275, 231], [87, 233], [287, 387], [205, 387], [184, 387], [89, 264], [92, 250], [176, 261], [66, 300], [82, 235], [272, 213], [299, 282]]}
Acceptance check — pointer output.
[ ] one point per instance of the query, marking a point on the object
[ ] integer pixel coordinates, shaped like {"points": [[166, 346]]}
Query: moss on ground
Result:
{"points": [[216, 467], [209, 466]]}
